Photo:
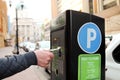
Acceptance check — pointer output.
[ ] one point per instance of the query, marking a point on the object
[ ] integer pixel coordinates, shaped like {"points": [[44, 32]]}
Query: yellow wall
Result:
{"points": [[3, 22]]}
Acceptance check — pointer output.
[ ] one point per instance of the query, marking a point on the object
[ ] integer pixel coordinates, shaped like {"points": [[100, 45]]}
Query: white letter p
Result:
{"points": [[90, 31]]}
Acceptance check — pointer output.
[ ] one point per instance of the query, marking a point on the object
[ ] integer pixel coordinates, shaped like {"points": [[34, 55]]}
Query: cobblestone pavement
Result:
{"points": [[32, 73]]}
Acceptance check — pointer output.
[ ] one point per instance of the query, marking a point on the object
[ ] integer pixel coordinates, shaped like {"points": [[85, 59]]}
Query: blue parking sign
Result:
{"points": [[89, 37]]}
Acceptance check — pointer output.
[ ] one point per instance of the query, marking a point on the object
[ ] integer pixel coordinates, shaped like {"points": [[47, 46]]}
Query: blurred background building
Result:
{"points": [[27, 29], [31, 30], [46, 25], [3, 23]]}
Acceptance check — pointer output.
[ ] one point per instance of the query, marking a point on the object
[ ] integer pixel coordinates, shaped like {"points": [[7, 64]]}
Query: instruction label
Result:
{"points": [[89, 67]]}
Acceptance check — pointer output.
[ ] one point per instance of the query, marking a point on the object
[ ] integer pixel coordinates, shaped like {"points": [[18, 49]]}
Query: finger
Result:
{"points": [[51, 55], [46, 66]]}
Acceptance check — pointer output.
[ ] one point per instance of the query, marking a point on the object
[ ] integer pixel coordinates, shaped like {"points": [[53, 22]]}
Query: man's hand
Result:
{"points": [[43, 57]]}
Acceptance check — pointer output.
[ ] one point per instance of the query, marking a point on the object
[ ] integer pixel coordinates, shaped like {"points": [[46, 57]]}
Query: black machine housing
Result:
{"points": [[64, 31]]}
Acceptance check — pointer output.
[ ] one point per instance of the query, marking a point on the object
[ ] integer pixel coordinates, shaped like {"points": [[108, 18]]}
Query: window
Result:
{"points": [[109, 4], [91, 6], [116, 54]]}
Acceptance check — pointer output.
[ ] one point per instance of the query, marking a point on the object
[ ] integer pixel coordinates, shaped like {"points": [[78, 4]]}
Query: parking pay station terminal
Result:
{"points": [[81, 38]]}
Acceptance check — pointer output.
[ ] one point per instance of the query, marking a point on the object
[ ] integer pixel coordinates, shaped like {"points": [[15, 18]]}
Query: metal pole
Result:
{"points": [[17, 43]]}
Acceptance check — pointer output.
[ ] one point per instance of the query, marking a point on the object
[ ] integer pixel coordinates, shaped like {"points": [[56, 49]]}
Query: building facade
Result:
{"points": [[27, 29], [47, 29], [108, 9], [3, 22], [59, 6]]}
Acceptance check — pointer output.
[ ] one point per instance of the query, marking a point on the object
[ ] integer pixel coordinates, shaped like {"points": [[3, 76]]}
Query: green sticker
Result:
{"points": [[89, 67]]}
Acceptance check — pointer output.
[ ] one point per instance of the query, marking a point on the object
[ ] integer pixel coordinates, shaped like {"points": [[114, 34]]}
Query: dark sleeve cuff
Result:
{"points": [[31, 58]]}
